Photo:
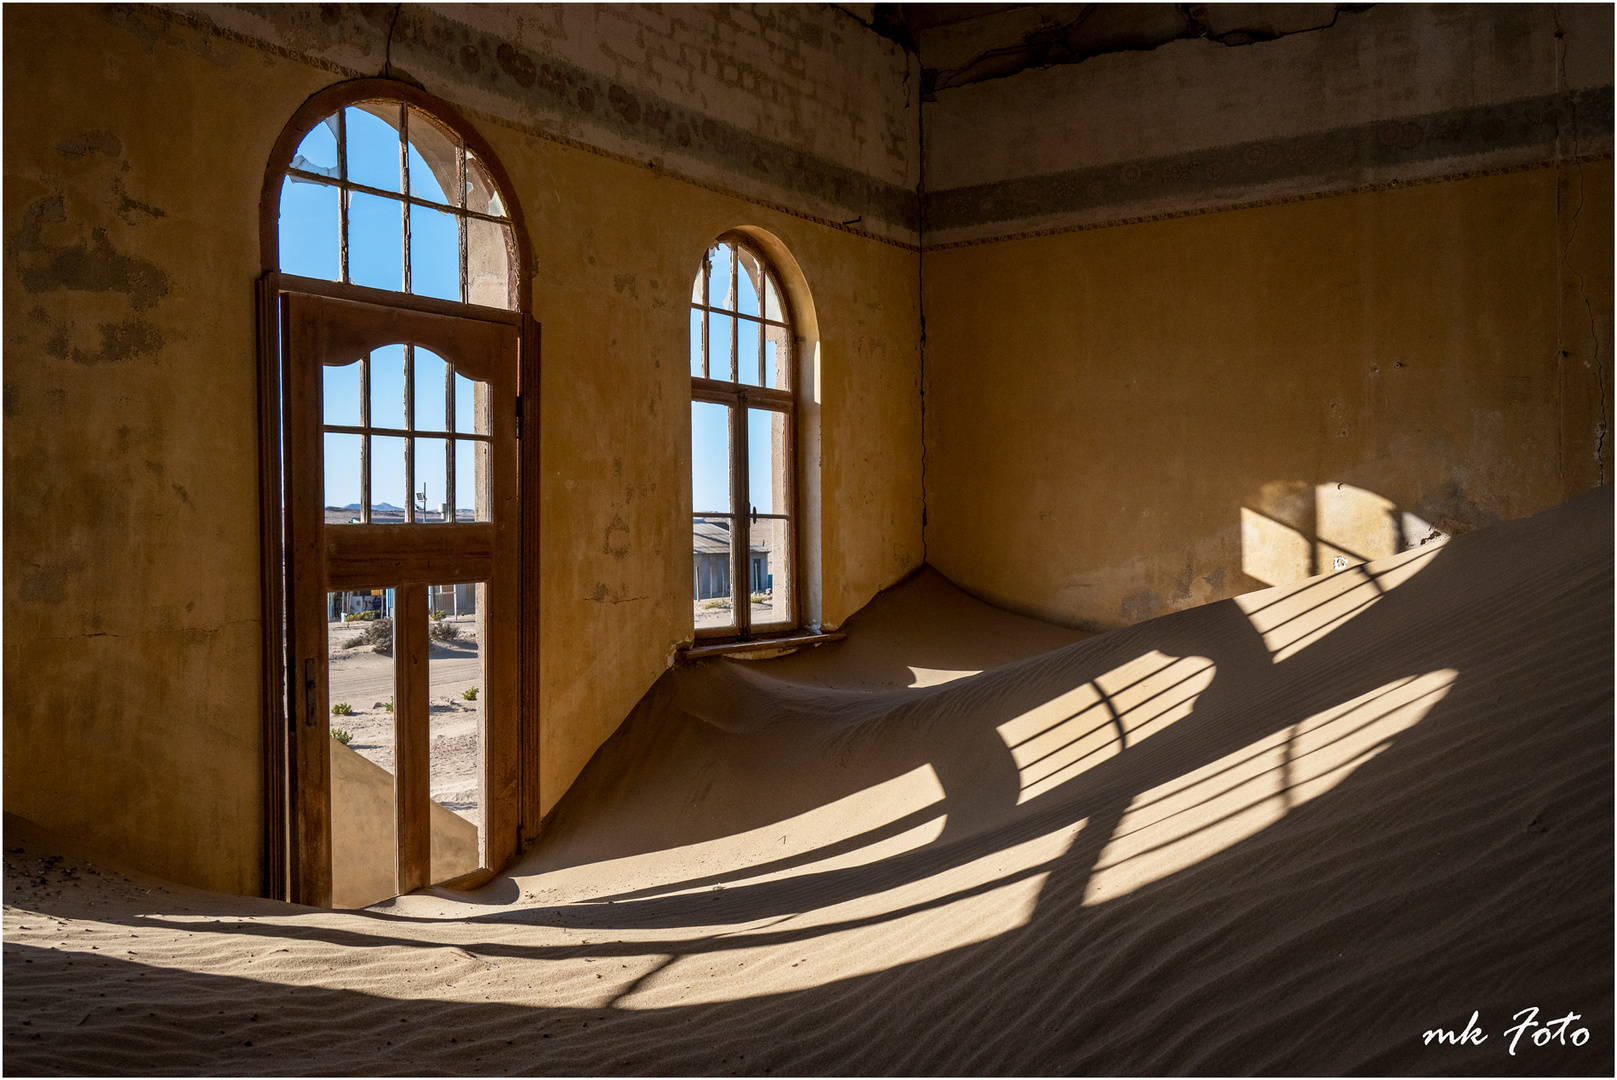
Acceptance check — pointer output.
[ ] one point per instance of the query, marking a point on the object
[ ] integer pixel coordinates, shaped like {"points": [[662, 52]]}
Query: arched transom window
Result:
{"points": [[381, 195], [741, 446]]}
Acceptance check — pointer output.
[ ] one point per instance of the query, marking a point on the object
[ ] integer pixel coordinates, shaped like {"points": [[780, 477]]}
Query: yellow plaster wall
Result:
{"points": [[1103, 406], [133, 629]]}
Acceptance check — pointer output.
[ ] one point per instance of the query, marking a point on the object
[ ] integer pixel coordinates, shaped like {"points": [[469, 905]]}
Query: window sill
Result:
{"points": [[749, 650]]}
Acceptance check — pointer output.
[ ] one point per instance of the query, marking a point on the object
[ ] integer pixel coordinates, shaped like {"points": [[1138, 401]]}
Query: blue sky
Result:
{"points": [[309, 247]]}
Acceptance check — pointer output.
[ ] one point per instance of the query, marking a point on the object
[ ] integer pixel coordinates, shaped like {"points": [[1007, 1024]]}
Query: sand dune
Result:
{"points": [[1289, 833]]}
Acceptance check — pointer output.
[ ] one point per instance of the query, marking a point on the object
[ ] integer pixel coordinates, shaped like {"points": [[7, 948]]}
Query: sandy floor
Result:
{"points": [[1290, 833], [363, 679]]}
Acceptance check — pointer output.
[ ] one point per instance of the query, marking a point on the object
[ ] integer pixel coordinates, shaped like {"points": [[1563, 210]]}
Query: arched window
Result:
{"points": [[382, 195], [394, 356], [742, 435]]}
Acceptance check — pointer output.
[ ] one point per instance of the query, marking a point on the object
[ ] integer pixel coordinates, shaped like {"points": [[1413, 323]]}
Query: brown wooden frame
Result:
{"points": [[739, 397], [513, 781]]}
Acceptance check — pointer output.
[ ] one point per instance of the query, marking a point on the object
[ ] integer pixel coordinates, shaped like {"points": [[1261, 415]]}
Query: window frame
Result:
{"points": [[738, 397], [518, 752]]}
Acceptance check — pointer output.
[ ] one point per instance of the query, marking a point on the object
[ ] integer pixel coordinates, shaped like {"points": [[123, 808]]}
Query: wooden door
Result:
{"points": [[320, 333]]}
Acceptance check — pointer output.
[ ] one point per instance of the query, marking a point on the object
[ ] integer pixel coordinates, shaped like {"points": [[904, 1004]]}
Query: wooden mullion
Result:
{"points": [[409, 438], [274, 882], [740, 532], [761, 397], [307, 651], [529, 479], [365, 294], [412, 800]]}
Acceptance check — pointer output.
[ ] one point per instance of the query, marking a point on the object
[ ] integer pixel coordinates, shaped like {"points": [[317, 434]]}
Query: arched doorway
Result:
{"points": [[395, 366]]}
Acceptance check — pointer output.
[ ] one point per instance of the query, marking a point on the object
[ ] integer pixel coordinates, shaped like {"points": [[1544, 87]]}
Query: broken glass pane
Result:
{"points": [[772, 306], [434, 254], [432, 160], [340, 394], [718, 278], [775, 373], [375, 241], [488, 263], [308, 230], [747, 282], [481, 194], [373, 145], [317, 153]]}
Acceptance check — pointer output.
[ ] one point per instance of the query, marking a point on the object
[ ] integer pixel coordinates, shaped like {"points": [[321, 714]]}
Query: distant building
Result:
{"points": [[710, 542]]}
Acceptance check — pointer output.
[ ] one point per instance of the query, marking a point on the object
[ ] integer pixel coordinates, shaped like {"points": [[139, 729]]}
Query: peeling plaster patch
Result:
{"points": [[1141, 605], [620, 548], [92, 265], [128, 206], [603, 595], [125, 340], [1181, 585], [1215, 580], [91, 142]]}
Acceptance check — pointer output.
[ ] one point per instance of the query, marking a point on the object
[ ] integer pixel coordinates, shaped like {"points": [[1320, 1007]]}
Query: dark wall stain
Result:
{"points": [[91, 142], [1140, 606], [92, 265]]}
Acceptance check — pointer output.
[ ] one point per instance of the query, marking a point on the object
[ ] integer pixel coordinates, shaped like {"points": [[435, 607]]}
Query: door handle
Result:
{"points": [[308, 692]]}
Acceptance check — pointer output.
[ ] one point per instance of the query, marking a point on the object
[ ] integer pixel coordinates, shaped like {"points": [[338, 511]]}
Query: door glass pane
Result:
{"points": [[375, 241], [434, 254], [471, 481], [340, 394], [388, 491], [387, 387], [342, 454], [747, 351], [766, 462], [710, 546], [455, 696], [361, 695], [430, 373], [308, 229], [710, 457], [431, 480], [769, 573], [373, 147]]}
